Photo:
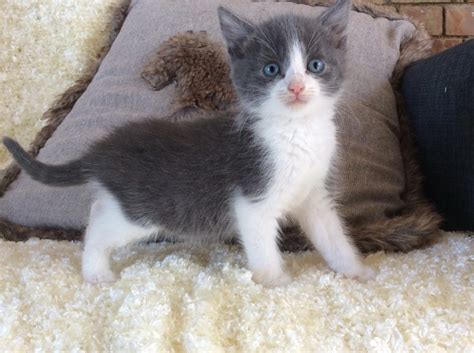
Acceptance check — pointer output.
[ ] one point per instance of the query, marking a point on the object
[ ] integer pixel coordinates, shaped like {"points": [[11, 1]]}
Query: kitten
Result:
{"points": [[235, 174]]}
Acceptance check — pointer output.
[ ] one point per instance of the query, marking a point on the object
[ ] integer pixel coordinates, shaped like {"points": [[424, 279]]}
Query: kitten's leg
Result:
{"points": [[108, 229], [258, 231], [323, 226]]}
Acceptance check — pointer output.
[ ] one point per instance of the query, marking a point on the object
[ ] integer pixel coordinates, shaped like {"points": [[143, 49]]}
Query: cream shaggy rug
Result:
{"points": [[175, 298], [44, 47]]}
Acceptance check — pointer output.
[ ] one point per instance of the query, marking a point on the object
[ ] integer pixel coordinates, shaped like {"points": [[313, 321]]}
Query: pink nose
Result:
{"points": [[296, 87]]}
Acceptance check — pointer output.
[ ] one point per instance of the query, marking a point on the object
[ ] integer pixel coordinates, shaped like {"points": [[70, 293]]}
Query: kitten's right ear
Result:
{"points": [[235, 31], [336, 17]]}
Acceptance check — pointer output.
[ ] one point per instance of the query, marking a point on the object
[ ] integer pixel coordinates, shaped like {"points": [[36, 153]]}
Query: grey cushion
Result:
{"points": [[372, 176]]}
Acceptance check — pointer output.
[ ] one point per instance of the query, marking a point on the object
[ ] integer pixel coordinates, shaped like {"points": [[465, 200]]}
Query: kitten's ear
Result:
{"points": [[336, 17], [235, 31]]}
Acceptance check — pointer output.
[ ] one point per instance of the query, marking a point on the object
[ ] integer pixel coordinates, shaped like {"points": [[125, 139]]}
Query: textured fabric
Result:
{"points": [[439, 96], [372, 176], [179, 298]]}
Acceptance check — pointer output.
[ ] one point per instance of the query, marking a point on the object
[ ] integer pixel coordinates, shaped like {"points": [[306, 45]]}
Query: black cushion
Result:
{"points": [[439, 96]]}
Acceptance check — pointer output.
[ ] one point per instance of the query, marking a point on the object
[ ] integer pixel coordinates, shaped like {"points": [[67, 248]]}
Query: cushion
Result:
{"points": [[439, 98], [372, 175]]}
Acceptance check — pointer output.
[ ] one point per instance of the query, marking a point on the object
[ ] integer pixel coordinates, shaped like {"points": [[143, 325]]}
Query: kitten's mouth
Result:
{"points": [[296, 101]]}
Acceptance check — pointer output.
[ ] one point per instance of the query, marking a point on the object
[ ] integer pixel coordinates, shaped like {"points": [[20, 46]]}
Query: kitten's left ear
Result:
{"points": [[336, 17], [235, 31]]}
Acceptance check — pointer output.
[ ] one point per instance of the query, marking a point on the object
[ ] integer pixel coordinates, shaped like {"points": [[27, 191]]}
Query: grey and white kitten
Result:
{"points": [[231, 175]]}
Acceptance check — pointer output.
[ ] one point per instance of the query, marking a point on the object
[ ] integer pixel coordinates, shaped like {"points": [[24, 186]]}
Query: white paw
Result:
{"points": [[99, 277], [271, 279], [362, 273]]}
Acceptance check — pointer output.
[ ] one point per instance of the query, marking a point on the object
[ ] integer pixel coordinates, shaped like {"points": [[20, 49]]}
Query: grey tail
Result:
{"points": [[57, 175]]}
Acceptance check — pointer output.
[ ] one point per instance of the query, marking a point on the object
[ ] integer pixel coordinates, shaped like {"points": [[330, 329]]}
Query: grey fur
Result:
{"points": [[61, 175], [183, 175]]}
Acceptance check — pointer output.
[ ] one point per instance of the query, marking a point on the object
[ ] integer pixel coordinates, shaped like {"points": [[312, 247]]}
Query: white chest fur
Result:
{"points": [[301, 150]]}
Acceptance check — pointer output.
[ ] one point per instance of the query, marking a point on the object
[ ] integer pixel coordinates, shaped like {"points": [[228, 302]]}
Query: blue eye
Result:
{"points": [[316, 66], [271, 70]]}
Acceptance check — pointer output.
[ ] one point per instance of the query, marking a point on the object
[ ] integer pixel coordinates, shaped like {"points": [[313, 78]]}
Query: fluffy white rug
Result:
{"points": [[174, 298]]}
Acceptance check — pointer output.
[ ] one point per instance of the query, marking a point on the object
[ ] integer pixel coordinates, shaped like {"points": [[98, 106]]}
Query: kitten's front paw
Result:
{"points": [[269, 279], [99, 277], [362, 273]]}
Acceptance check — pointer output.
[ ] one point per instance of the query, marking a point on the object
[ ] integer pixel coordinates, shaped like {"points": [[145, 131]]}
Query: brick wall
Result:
{"points": [[449, 22]]}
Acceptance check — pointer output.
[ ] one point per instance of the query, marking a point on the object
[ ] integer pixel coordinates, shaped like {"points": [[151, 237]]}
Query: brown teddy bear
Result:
{"points": [[200, 69]]}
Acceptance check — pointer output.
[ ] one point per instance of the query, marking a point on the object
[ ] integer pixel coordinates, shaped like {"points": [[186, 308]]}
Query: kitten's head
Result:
{"points": [[289, 64]]}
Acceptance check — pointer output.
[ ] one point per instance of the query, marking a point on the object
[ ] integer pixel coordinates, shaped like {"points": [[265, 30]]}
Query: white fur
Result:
{"points": [[257, 225], [108, 229], [297, 64], [302, 144]]}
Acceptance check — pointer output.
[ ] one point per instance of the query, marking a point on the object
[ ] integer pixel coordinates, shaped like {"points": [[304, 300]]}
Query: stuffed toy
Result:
{"points": [[200, 70]]}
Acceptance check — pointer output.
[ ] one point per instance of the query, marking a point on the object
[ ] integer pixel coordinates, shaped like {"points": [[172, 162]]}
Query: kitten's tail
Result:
{"points": [[414, 229], [58, 175]]}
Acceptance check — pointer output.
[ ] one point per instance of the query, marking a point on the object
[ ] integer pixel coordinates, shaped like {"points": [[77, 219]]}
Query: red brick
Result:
{"points": [[391, 8], [440, 44], [416, 1], [431, 16], [460, 20]]}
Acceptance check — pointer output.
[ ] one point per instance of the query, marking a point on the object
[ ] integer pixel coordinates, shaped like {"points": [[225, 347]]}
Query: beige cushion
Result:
{"points": [[372, 175]]}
